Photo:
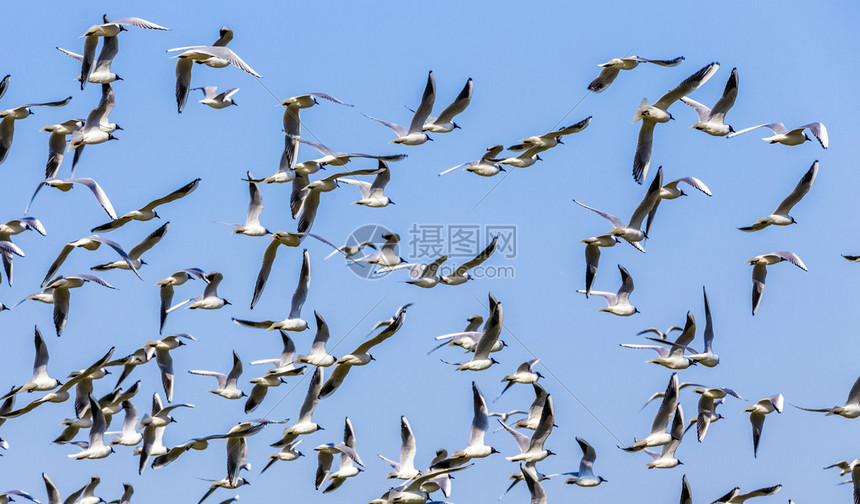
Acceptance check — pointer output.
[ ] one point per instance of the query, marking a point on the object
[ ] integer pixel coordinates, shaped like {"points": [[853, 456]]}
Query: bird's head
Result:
{"points": [[537, 157], [671, 117], [683, 193], [233, 102], [501, 169], [456, 126], [558, 141], [602, 480], [371, 357], [428, 137], [494, 361], [550, 452], [731, 130], [111, 137], [117, 77], [122, 28], [636, 310], [793, 221], [538, 374], [227, 302]]}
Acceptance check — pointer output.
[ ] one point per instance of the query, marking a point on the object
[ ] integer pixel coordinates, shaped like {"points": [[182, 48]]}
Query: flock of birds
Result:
{"points": [[145, 434]]}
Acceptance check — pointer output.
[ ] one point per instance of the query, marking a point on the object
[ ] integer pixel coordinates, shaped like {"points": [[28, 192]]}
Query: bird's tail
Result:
{"points": [[640, 112]]}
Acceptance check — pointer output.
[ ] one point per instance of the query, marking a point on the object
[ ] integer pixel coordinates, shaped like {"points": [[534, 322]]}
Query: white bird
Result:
{"points": [[371, 192], [713, 122], [348, 458], [217, 100], [671, 354], [658, 113], [305, 424], [707, 408], [352, 250], [851, 408], [166, 290], [285, 364], [485, 167], [671, 191], [461, 275], [796, 136], [287, 454], [615, 65], [109, 29], [9, 116], [209, 300], [415, 134], [162, 349], [8, 248], [153, 426], [780, 216], [481, 360], [100, 72], [147, 212], [845, 467], [386, 255], [6, 497], [618, 303], [585, 476], [404, 468], [538, 495], [226, 383], [134, 261], [97, 128], [360, 356], [592, 256], [445, 122], [658, 435], [129, 435], [293, 130], [216, 56], [707, 358], [85, 495], [735, 497], [318, 356], [415, 490], [524, 160], [666, 459], [60, 295], [95, 448], [41, 382], [534, 145], [532, 449], [66, 185], [525, 374], [468, 339], [476, 447], [757, 412], [760, 264], [57, 144], [632, 232], [662, 334], [422, 275], [293, 322]]}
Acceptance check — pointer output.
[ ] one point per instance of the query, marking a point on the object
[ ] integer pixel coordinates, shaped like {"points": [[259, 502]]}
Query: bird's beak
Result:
{"points": [[391, 202], [558, 140], [428, 138]]}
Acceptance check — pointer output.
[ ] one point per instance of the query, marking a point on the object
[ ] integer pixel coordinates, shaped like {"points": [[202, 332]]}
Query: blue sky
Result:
{"points": [[531, 66]]}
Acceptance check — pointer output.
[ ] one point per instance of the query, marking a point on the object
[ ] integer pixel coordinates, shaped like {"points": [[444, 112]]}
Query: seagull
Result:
{"points": [[100, 72], [6, 497], [217, 100], [226, 383], [348, 457], [359, 356], [95, 448], [476, 447], [535, 410], [538, 495], [7, 124], [287, 454], [162, 349], [667, 460], [851, 408], [422, 275], [615, 65], [707, 358], [318, 356], [352, 250], [445, 122], [712, 122], [461, 275], [415, 135], [686, 493], [293, 322], [783, 135], [735, 497], [592, 256], [632, 232], [618, 303], [670, 191], [707, 406], [414, 489], [209, 300], [134, 261], [305, 424], [585, 476], [404, 469], [60, 295], [129, 435], [371, 193], [532, 450], [524, 374], [153, 429], [658, 435], [57, 144], [757, 412], [8, 248], [481, 360], [672, 357], [485, 167], [293, 131], [97, 128], [148, 212], [386, 256], [285, 364], [780, 216], [760, 264], [661, 334], [66, 185], [845, 467], [41, 382], [536, 144], [166, 290], [658, 113], [468, 339], [524, 160], [109, 29], [217, 56]]}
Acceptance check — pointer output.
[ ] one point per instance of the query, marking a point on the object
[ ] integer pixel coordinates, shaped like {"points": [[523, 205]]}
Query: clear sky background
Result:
{"points": [[530, 64]]}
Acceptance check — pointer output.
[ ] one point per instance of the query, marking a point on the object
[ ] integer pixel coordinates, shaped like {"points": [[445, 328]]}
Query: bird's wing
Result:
{"points": [[642, 158], [223, 53], [398, 129], [615, 221], [702, 112], [364, 187], [626, 284], [175, 195], [521, 440], [651, 198], [220, 377], [110, 46], [727, 100], [667, 406], [604, 79], [265, 269], [301, 292], [459, 104], [803, 187], [480, 420], [148, 242], [695, 183], [313, 396], [790, 257], [335, 379], [778, 128], [687, 86], [820, 132], [139, 23], [183, 81], [426, 106], [100, 195]]}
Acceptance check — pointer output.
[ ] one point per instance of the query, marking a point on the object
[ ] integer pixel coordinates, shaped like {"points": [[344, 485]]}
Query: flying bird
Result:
{"points": [[216, 100], [536, 144], [712, 121], [415, 134], [851, 408], [618, 303], [294, 321], [147, 212], [444, 123], [227, 387], [9, 116], [757, 412], [796, 136], [760, 264], [135, 262], [612, 67], [484, 167], [66, 185], [780, 216], [107, 30]]}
